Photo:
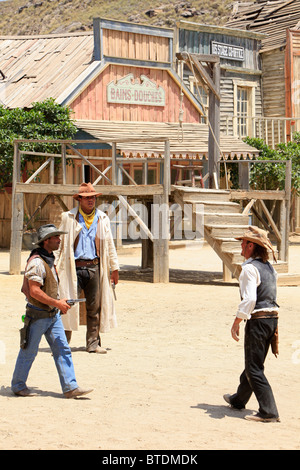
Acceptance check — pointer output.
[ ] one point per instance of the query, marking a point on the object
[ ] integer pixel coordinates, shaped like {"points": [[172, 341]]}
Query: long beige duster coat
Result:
{"points": [[66, 268]]}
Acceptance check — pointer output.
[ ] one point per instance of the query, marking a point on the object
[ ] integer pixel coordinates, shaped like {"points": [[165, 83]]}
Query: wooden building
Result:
{"points": [[120, 80], [279, 21], [130, 99], [240, 78]]}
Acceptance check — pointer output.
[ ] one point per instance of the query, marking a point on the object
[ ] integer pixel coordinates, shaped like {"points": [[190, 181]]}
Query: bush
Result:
{"points": [[272, 176], [45, 120]]}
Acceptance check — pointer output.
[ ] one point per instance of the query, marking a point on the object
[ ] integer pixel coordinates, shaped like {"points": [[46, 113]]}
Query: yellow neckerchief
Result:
{"points": [[88, 218]]}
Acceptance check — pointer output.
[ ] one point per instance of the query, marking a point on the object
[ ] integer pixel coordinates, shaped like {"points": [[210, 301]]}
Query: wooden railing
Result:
{"points": [[159, 193], [255, 202], [271, 129]]}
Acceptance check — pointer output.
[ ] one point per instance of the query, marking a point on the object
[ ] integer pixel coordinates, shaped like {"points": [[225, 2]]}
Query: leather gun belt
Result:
{"points": [[84, 263]]}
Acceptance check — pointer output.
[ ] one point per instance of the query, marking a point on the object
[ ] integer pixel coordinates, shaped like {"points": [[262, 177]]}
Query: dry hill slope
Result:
{"points": [[19, 17]]}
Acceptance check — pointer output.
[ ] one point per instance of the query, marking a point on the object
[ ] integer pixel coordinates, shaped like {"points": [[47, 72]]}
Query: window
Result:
{"points": [[244, 107], [242, 111], [138, 176]]}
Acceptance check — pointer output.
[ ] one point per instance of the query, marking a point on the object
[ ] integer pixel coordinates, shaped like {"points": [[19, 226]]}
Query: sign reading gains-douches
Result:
{"points": [[142, 91]]}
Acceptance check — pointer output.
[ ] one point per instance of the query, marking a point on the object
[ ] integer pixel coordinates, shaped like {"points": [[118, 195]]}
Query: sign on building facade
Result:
{"points": [[227, 51], [128, 90]]}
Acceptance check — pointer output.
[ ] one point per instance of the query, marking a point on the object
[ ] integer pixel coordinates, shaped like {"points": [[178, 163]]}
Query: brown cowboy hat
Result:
{"points": [[85, 190], [260, 237]]}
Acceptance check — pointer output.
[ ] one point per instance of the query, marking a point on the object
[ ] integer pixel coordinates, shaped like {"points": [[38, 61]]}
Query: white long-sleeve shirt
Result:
{"points": [[249, 281]]}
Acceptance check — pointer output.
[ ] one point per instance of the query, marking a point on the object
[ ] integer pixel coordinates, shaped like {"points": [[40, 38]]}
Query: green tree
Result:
{"points": [[45, 120]]}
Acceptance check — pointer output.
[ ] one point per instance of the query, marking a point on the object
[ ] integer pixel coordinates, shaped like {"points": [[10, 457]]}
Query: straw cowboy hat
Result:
{"points": [[258, 236], [45, 232], [85, 190]]}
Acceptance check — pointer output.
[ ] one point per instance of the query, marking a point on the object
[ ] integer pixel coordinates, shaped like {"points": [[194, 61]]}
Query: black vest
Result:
{"points": [[267, 290]]}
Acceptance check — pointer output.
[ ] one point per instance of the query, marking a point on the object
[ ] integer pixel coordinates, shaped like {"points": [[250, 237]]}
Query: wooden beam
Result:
{"points": [[16, 234], [138, 220], [248, 207], [208, 80], [105, 190], [270, 219], [236, 195], [89, 163]]}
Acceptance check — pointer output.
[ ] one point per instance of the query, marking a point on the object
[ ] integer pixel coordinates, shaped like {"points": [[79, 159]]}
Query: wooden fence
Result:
{"points": [[5, 219]]}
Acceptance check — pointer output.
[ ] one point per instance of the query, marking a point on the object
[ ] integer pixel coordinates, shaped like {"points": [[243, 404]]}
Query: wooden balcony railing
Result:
{"points": [[272, 130]]}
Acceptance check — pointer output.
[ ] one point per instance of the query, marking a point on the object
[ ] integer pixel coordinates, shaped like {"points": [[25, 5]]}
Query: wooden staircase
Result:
{"points": [[223, 221]]}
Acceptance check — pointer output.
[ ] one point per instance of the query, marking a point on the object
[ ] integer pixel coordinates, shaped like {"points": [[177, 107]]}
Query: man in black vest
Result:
{"points": [[258, 286]]}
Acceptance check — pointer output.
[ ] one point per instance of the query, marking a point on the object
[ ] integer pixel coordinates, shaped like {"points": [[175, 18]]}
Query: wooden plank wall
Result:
{"points": [[273, 82], [92, 103], [296, 76], [135, 46], [199, 42], [5, 219], [227, 98]]}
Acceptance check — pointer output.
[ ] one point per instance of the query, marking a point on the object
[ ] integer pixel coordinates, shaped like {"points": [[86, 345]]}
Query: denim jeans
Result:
{"points": [[53, 330]]}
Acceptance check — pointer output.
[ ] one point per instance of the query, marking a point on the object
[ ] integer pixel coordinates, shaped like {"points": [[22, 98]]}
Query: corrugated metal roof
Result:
{"points": [[40, 67], [194, 144], [269, 17]]}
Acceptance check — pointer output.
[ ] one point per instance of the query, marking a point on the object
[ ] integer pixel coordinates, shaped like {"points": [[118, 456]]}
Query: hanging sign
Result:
{"points": [[227, 51], [127, 90]]}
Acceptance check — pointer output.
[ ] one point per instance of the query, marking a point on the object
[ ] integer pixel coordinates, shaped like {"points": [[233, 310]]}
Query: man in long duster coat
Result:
{"points": [[66, 267]]}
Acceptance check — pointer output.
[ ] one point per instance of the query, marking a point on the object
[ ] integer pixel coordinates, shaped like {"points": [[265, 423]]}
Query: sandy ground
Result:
{"points": [[160, 385]]}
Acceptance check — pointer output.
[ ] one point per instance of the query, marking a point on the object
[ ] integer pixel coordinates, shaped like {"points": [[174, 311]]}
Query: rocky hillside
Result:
{"points": [[49, 16]]}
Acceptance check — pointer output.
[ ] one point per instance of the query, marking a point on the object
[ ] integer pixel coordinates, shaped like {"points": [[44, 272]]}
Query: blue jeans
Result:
{"points": [[53, 330]]}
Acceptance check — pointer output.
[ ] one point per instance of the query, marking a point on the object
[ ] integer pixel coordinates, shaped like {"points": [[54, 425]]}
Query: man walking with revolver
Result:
{"points": [[43, 310], [87, 261], [258, 286]]}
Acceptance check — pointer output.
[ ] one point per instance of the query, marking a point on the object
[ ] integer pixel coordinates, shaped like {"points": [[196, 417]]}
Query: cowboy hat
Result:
{"points": [[85, 190], [258, 236], [47, 231]]}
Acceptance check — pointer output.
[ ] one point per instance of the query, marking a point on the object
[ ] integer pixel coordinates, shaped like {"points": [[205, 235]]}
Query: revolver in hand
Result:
{"points": [[72, 302]]}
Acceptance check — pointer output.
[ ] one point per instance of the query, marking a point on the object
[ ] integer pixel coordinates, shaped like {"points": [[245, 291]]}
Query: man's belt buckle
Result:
{"points": [[95, 261]]}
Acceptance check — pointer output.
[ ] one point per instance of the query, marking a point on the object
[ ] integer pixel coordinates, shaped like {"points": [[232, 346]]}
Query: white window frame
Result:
{"points": [[251, 86]]}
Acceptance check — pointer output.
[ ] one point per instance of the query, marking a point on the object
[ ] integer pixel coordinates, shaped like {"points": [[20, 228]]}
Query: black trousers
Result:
{"points": [[88, 280], [258, 336]]}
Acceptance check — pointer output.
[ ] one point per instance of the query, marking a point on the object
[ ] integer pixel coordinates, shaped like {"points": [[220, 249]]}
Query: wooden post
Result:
{"points": [[244, 175], [213, 84], [161, 226], [145, 172], [114, 164], [64, 163], [214, 129], [17, 217], [287, 202], [160, 240], [227, 274]]}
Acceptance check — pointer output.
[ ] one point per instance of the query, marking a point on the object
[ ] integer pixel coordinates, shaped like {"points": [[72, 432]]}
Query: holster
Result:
{"points": [[275, 343], [24, 333]]}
